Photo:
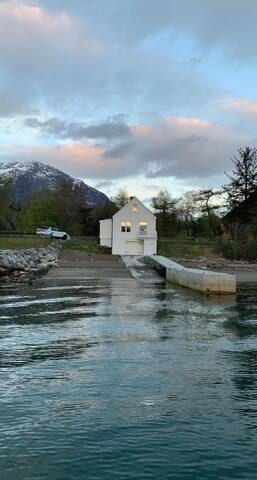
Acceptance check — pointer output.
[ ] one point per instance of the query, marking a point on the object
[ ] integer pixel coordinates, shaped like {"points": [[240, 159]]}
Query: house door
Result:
{"points": [[134, 248]]}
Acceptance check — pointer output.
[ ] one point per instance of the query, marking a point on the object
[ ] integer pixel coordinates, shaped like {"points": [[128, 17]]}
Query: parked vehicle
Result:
{"points": [[52, 232]]}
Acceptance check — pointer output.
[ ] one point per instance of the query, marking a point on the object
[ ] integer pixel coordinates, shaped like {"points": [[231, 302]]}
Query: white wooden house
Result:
{"points": [[131, 231]]}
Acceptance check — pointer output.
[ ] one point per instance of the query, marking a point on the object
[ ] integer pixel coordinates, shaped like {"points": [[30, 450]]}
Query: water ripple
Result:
{"points": [[117, 380]]}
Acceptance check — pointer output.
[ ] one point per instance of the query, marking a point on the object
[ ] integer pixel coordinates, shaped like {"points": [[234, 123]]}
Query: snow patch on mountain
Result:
{"points": [[29, 177]]}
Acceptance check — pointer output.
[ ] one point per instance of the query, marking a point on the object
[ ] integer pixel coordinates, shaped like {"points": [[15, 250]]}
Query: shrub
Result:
{"points": [[238, 251]]}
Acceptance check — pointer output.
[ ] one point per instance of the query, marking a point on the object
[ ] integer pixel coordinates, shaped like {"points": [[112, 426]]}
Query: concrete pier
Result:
{"points": [[204, 281]]}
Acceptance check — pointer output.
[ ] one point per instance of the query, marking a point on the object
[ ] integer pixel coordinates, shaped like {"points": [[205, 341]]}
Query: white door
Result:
{"points": [[134, 248]]}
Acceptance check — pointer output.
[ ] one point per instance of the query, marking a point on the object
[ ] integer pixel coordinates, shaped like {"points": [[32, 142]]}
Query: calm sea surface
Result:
{"points": [[111, 380]]}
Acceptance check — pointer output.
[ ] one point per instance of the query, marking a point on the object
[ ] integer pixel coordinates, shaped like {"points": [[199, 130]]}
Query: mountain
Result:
{"points": [[27, 177]]}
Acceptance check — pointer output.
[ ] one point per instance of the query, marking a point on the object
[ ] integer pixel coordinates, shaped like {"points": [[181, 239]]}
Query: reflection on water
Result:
{"points": [[120, 380]]}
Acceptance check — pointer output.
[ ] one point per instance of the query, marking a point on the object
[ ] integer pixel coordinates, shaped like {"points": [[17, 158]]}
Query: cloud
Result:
{"points": [[61, 61], [188, 149], [113, 128], [228, 25], [43, 54], [184, 148], [68, 68], [240, 106], [105, 184]]}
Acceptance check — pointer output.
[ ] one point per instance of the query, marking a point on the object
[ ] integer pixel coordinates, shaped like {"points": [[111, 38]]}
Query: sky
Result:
{"points": [[141, 94]]}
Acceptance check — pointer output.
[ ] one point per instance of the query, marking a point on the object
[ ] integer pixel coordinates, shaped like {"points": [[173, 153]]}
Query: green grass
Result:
{"points": [[185, 249], [88, 246], [168, 248], [23, 242]]}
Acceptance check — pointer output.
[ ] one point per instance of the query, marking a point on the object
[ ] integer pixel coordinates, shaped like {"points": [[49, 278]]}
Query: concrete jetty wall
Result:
{"points": [[202, 280]]}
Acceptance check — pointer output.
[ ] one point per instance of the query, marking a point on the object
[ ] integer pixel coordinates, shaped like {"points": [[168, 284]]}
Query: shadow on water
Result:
{"points": [[49, 305], [177, 302], [244, 323], [58, 350]]}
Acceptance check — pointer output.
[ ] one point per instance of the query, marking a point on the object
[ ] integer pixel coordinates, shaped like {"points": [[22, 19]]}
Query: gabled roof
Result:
{"points": [[133, 200]]}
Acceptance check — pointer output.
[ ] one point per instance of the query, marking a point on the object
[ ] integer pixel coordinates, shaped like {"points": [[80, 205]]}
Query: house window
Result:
{"points": [[143, 228], [134, 208], [125, 226]]}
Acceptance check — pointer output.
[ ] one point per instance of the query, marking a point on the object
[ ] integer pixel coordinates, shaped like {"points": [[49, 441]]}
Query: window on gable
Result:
{"points": [[135, 208], [143, 228], [125, 226]]}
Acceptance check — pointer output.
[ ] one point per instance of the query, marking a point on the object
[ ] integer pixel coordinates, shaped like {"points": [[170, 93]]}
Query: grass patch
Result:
{"points": [[88, 246], [185, 249], [23, 242]]}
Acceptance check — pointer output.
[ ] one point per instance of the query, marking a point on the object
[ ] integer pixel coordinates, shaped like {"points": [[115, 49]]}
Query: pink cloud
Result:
{"points": [[180, 147], [77, 160], [244, 107]]}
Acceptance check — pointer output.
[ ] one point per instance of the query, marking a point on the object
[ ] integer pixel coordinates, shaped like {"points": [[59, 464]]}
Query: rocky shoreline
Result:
{"points": [[23, 265]]}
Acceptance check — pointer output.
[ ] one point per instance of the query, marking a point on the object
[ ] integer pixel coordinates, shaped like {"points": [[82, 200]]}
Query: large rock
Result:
{"points": [[21, 265]]}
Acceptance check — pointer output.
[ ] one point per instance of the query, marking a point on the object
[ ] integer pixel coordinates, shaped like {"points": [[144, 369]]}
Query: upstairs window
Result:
{"points": [[143, 228], [135, 208], [125, 226]]}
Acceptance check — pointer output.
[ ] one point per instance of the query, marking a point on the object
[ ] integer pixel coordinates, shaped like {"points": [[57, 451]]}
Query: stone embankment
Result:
{"points": [[23, 265]]}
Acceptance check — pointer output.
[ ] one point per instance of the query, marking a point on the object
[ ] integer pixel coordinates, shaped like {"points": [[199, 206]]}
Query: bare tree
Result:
{"points": [[204, 200], [166, 212], [121, 198]]}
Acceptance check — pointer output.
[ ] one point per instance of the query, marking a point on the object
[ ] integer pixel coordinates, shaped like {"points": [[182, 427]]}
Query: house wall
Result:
{"points": [[106, 233], [140, 244], [150, 246]]}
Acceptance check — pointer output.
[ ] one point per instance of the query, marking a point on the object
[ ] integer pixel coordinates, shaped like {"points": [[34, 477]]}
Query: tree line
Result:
{"points": [[199, 213], [63, 208]]}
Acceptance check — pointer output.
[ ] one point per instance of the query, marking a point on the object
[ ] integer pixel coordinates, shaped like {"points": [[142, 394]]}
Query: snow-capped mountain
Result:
{"points": [[28, 177]]}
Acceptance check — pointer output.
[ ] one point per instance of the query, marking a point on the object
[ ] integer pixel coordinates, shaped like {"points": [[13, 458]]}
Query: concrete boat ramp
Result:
{"points": [[78, 264], [152, 269]]}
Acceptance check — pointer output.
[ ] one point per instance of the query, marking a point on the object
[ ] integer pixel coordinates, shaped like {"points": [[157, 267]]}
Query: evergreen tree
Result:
{"points": [[5, 203], [243, 179]]}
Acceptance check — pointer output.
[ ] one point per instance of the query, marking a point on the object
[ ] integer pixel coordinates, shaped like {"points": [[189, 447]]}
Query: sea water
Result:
{"points": [[115, 379]]}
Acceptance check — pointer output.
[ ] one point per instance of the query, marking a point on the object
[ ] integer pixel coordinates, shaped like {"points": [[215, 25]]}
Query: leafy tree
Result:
{"points": [[205, 227], [90, 217], [5, 203], [69, 201], [39, 209], [243, 179]]}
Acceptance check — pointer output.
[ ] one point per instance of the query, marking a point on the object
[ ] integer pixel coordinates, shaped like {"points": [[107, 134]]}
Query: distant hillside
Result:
{"points": [[28, 177]]}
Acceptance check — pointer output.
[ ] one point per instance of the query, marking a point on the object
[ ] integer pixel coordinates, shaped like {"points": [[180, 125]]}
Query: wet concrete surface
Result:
{"points": [[140, 270], [78, 264], [81, 264], [86, 265]]}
